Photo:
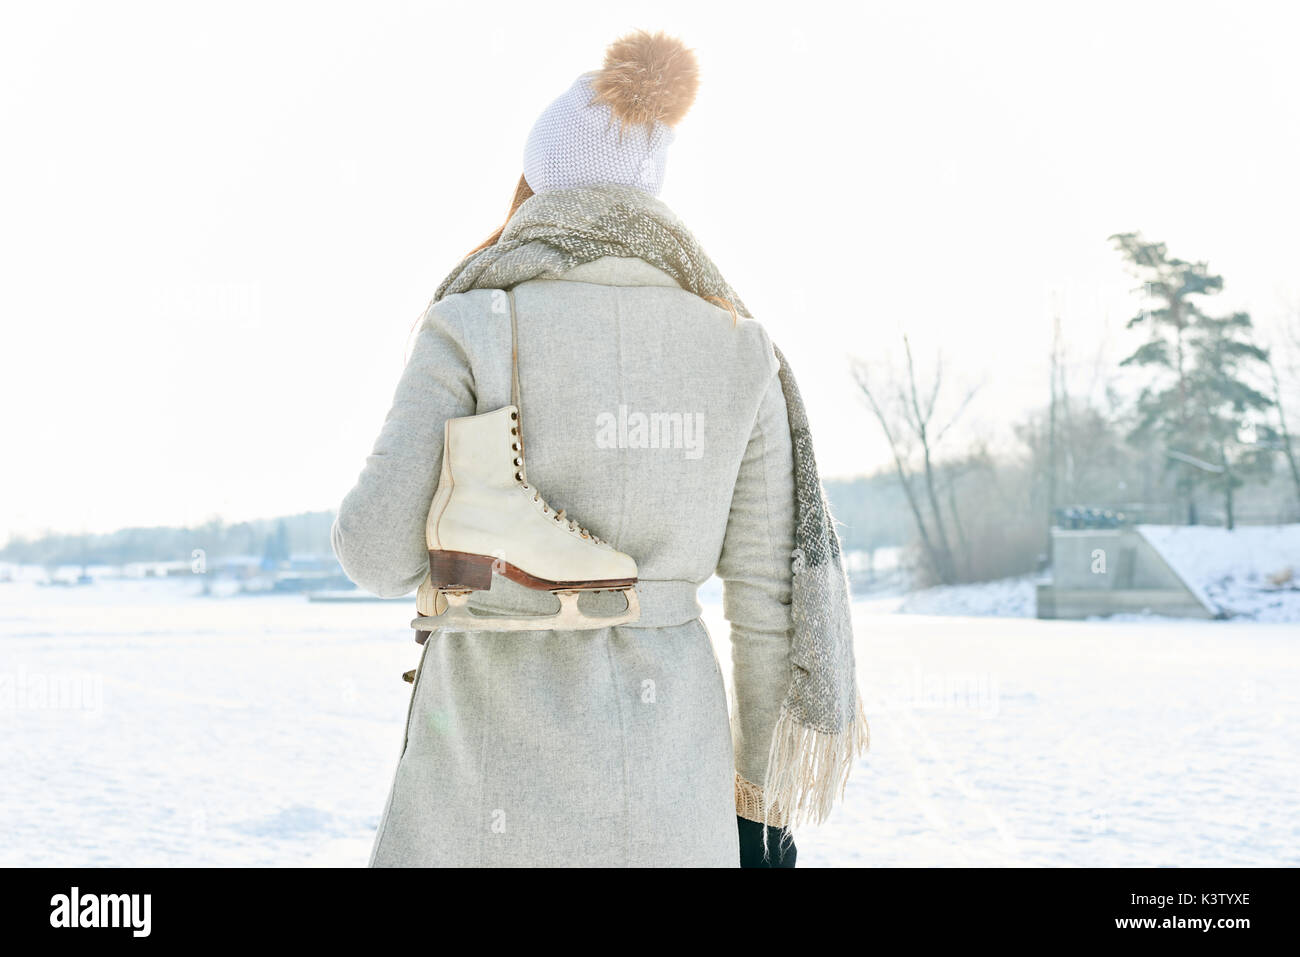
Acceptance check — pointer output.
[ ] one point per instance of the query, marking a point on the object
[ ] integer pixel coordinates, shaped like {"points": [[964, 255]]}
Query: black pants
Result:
{"points": [[781, 851]]}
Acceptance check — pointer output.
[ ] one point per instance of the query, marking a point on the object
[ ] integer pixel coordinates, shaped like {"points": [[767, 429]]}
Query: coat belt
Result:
{"points": [[664, 602]]}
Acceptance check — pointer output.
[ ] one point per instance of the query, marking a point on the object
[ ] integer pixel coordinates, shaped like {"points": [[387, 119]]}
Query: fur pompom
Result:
{"points": [[647, 77]]}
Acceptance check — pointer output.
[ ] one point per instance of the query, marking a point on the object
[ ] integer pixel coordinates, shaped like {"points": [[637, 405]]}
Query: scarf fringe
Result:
{"points": [[808, 769]]}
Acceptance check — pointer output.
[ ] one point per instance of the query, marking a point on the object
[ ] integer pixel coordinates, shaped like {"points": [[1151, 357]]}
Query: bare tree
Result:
{"points": [[906, 413], [955, 471], [936, 562]]}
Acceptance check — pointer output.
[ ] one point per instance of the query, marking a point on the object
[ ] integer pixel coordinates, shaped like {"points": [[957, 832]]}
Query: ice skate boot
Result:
{"points": [[486, 518]]}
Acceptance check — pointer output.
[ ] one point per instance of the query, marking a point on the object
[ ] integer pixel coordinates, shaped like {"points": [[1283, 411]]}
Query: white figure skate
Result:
{"points": [[486, 518]]}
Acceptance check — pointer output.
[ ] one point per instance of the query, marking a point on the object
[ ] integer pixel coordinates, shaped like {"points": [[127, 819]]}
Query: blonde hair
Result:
{"points": [[522, 192]]}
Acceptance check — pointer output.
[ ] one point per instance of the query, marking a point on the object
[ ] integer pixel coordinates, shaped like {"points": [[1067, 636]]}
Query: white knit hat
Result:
{"points": [[577, 142], [614, 125]]}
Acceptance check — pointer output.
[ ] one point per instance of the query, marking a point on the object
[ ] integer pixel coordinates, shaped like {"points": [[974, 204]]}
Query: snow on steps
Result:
{"points": [[1252, 571]]}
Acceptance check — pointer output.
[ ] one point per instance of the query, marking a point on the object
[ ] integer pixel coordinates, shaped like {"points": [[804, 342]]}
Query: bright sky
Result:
{"points": [[218, 222]]}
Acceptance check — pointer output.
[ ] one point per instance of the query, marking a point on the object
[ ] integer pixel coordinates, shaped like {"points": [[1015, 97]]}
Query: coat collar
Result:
{"points": [[618, 271]]}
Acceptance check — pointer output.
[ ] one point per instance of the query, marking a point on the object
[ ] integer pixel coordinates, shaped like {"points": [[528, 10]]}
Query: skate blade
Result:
{"points": [[459, 617], [452, 571]]}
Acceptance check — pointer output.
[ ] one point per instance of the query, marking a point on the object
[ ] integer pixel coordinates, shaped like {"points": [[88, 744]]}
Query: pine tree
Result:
{"points": [[1199, 403], [1227, 409]]}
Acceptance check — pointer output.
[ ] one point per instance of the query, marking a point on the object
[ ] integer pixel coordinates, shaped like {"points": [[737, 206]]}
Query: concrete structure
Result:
{"points": [[1109, 571]]}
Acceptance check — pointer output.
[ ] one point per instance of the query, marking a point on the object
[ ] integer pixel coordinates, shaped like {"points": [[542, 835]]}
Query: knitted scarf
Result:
{"points": [[822, 727]]}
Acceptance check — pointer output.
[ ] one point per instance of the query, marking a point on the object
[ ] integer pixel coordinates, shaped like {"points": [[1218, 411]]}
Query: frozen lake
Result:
{"points": [[140, 725]]}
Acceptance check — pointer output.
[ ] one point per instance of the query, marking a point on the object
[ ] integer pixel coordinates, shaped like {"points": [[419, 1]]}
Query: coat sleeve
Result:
{"points": [[378, 535], [755, 568]]}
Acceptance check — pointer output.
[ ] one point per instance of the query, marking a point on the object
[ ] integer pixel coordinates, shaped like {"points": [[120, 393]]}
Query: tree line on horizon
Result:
{"points": [[273, 539]]}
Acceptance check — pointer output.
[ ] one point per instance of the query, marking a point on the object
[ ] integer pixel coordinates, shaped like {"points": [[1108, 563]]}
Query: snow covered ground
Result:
{"points": [[141, 725], [1252, 571], [1005, 598]]}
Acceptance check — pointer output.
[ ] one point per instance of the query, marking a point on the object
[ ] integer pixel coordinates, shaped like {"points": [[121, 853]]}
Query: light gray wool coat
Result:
{"points": [[613, 746]]}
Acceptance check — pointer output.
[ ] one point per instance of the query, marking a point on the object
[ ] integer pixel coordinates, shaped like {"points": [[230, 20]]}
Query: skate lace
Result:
{"points": [[558, 514]]}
